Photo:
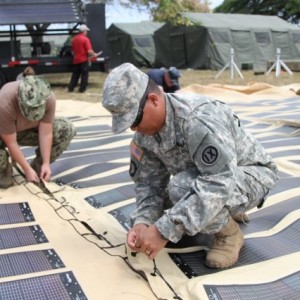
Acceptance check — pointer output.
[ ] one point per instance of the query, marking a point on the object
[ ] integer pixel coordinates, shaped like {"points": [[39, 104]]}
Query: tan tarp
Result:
{"points": [[91, 242]]}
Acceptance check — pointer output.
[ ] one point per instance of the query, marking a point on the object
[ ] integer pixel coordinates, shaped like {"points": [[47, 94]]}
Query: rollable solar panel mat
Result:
{"points": [[285, 288], [286, 153], [94, 170], [97, 143], [266, 219], [266, 140], [21, 236], [90, 128], [62, 286], [261, 220], [278, 115], [259, 126], [292, 141], [285, 184], [280, 244], [13, 264], [90, 135], [117, 178], [90, 156], [111, 196], [15, 213], [122, 215]]}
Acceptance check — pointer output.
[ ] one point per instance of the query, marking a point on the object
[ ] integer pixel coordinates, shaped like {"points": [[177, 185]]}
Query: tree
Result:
{"points": [[167, 10], [170, 10], [288, 10]]}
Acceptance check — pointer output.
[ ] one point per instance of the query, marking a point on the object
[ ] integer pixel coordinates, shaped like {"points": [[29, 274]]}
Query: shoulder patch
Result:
{"points": [[210, 155], [135, 151]]}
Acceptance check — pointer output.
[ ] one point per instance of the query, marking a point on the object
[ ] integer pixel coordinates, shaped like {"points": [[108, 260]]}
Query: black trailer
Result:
{"points": [[40, 20]]}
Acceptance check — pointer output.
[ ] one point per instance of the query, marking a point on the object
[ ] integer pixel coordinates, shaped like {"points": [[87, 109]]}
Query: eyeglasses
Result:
{"points": [[140, 113]]}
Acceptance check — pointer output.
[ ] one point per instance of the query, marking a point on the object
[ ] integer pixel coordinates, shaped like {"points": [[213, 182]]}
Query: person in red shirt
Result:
{"points": [[82, 50]]}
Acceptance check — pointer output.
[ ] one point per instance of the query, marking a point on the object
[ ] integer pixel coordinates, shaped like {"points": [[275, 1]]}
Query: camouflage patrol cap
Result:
{"points": [[123, 89], [34, 91]]}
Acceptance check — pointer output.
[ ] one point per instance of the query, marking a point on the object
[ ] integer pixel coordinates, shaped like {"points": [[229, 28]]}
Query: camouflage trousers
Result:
{"points": [[255, 193], [63, 132]]}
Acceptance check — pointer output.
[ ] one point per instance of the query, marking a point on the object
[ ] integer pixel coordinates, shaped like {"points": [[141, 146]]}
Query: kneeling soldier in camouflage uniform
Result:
{"points": [[27, 110], [195, 168]]}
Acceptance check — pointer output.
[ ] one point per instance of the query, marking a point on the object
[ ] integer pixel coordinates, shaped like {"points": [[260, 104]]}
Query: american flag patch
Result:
{"points": [[135, 151]]}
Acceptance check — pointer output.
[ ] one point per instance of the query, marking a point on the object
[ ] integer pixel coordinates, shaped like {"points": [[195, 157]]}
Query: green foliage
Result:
{"points": [[163, 10], [286, 9], [169, 11]]}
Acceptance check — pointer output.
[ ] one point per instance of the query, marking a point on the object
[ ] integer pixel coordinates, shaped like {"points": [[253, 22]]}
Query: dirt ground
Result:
{"points": [[59, 82]]}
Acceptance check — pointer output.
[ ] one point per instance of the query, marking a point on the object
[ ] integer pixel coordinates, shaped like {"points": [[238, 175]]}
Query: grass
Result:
{"points": [[59, 82]]}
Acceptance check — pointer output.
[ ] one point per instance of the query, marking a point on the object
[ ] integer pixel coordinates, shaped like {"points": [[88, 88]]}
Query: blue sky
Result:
{"points": [[118, 14]]}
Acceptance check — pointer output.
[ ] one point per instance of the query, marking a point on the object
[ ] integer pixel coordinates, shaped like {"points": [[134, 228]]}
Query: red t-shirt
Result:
{"points": [[81, 44]]}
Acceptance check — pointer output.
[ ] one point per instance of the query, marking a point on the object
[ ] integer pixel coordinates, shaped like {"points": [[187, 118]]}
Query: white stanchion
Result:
{"points": [[278, 64], [232, 65]]}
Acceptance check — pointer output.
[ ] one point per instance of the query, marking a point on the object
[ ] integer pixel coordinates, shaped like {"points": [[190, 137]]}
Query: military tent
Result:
{"points": [[254, 39], [132, 42]]}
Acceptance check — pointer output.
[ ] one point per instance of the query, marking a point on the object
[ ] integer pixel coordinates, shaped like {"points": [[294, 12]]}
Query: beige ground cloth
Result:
{"points": [[101, 270], [252, 92]]}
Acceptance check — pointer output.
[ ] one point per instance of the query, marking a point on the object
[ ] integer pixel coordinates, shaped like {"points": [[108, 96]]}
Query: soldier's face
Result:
{"points": [[154, 115]]}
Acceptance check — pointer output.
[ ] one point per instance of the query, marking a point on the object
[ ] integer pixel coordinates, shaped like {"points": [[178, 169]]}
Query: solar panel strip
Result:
{"points": [[13, 264], [285, 288], [21, 236], [63, 286], [12, 213]]}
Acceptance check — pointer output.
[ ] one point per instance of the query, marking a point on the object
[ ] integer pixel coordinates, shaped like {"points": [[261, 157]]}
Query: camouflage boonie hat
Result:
{"points": [[123, 89], [34, 91]]}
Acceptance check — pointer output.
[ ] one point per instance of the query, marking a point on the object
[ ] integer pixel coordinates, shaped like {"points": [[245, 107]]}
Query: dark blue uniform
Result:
{"points": [[157, 75]]}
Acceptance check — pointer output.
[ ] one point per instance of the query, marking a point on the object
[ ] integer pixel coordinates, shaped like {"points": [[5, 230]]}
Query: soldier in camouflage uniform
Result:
{"points": [[195, 168], [27, 110]]}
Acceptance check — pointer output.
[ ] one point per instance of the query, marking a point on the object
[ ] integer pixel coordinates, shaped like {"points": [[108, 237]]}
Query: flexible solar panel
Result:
{"points": [[122, 215], [280, 244], [95, 162], [29, 262], [15, 213], [263, 220], [21, 236], [286, 288], [111, 196], [63, 286]]}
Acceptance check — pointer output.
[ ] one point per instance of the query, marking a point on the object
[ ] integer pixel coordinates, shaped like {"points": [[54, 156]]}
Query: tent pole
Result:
{"points": [[232, 65], [278, 64]]}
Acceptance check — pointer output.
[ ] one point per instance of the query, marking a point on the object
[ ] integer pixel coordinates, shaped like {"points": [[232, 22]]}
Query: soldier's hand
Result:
{"points": [[133, 237], [31, 176], [152, 241], [45, 172]]}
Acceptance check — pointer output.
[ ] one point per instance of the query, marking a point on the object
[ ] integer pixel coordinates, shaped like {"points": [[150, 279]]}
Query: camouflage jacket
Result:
{"points": [[203, 134]]}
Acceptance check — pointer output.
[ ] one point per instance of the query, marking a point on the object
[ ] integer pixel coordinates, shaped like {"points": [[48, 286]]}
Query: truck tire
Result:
{"points": [[2, 79]]}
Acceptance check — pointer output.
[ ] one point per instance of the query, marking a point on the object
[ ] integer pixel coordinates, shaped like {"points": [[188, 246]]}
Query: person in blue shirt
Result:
{"points": [[166, 78]]}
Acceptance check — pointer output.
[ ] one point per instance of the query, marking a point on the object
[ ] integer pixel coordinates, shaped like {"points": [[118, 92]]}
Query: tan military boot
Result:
{"points": [[241, 218], [6, 179], [226, 247]]}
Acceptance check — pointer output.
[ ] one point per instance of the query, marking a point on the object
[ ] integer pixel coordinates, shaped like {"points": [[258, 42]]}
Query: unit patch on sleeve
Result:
{"points": [[210, 155]]}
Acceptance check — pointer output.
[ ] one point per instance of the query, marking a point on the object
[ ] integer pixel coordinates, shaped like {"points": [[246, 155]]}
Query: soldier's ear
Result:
{"points": [[153, 98]]}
